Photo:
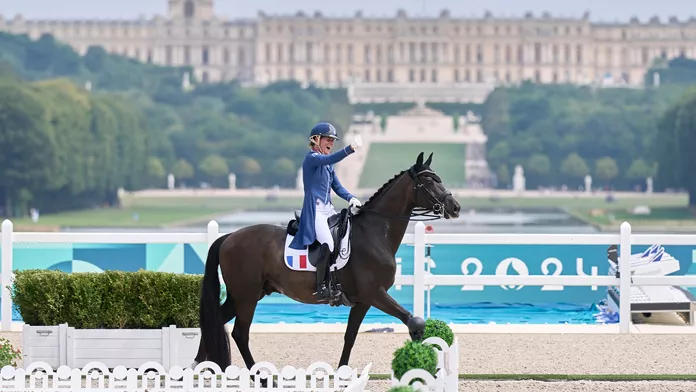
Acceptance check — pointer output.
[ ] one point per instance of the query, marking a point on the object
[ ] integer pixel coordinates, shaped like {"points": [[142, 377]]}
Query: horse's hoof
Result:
{"points": [[194, 364], [416, 328]]}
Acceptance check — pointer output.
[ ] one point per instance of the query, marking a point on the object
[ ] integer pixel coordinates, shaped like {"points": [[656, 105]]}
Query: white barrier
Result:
{"points": [[207, 376], [420, 280]]}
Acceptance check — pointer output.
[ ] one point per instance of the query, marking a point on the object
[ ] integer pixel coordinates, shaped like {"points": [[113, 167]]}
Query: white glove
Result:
{"points": [[353, 204], [357, 142]]}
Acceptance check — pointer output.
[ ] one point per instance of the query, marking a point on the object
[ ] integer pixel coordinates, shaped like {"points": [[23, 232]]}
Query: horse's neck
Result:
{"points": [[394, 207]]}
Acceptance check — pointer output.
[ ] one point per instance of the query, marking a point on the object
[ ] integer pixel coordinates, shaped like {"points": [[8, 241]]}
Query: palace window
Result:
{"points": [[189, 9]]}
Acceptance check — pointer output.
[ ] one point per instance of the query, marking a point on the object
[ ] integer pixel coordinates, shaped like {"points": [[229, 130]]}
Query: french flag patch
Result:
{"points": [[297, 262]]}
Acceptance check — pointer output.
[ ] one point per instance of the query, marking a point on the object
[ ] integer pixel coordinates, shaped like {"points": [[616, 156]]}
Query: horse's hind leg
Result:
{"points": [[228, 313], [384, 302], [240, 332]]}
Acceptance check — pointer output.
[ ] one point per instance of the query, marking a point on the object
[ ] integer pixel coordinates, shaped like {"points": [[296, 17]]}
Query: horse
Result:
{"points": [[252, 264]]}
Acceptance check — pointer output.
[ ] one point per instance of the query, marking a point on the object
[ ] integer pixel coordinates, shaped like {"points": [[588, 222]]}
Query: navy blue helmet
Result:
{"points": [[323, 129]]}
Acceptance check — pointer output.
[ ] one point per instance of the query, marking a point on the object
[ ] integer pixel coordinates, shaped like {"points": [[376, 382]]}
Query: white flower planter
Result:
{"points": [[447, 377], [67, 346]]}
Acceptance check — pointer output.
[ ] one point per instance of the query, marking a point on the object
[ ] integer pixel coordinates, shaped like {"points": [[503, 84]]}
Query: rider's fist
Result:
{"points": [[357, 142]]}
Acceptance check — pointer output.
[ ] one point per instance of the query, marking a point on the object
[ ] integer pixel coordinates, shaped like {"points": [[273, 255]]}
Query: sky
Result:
{"points": [[600, 10]]}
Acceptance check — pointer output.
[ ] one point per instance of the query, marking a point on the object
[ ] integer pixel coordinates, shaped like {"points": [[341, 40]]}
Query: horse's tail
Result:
{"points": [[210, 315]]}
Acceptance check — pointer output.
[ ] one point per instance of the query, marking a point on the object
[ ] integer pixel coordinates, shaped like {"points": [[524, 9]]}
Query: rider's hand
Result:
{"points": [[353, 204], [357, 142]]}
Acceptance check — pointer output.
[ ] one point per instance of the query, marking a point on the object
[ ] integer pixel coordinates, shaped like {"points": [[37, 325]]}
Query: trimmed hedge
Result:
{"points": [[414, 355], [440, 329], [110, 299]]}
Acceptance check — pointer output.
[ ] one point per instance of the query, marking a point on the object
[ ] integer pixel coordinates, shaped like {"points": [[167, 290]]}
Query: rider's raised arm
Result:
{"points": [[317, 159]]}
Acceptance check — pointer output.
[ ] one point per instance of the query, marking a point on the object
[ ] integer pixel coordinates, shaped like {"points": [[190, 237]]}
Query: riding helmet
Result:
{"points": [[323, 129]]}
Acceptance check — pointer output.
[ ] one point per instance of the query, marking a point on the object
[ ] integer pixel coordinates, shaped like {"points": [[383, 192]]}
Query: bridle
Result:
{"points": [[438, 208]]}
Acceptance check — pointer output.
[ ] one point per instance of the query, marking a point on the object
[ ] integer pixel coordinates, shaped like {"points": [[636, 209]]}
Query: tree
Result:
{"points": [[537, 169], [606, 169], [28, 151], [284, 171], [677, 133], [503, 174], [155, 171], [214, 168], [182, 170], [574, 167], [250, 167], [639, 170], [499, 154]]}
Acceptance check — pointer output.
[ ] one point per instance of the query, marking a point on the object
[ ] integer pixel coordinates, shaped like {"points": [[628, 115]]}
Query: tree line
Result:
{"points": [[74, 129]]}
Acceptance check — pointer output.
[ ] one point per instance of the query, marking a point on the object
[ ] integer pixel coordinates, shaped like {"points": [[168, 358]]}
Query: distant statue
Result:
{"points": [[299, 184], [588, 183], [232, 178], [170, 181], [186, 82], [518, 180], [656, 79], [649, 185]]}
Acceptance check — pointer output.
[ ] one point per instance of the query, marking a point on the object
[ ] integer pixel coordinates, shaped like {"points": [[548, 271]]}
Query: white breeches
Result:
{"points": [[321, 225]]}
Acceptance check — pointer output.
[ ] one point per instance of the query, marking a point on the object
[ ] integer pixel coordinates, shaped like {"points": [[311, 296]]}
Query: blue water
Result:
{"points": [[475, 313]]}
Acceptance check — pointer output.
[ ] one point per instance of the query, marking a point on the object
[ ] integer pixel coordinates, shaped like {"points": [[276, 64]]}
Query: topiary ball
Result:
{"points": [[440, 329], [402, 388], [414, 355]]}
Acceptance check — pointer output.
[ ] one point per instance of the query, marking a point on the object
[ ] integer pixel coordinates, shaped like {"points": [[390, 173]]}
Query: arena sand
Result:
{"points": [[499, 354]]}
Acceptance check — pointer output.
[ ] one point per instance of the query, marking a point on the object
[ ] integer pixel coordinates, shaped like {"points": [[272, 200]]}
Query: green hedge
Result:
{"points": [[111, 299]]}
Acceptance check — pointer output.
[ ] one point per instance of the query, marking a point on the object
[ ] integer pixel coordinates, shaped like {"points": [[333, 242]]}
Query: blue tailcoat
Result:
{"points": [[319, 178]]}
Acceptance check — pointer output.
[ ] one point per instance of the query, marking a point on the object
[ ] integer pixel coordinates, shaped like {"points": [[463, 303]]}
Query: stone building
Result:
{"points": [[363, 51]]}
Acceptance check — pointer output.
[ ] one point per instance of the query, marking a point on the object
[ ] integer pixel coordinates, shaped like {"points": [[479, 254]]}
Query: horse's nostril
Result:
{"points": [[456, 208]]}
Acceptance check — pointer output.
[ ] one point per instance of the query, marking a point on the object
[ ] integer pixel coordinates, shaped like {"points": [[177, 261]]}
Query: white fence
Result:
{"points": [[206, 376], [420, 280]]}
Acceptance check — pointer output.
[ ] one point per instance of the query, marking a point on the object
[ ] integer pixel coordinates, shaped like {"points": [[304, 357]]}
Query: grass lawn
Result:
{"points": [[172, 211], [671, 216], [386, 159]]}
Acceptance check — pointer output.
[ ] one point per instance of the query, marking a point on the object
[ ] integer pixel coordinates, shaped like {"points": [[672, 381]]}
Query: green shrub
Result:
{"points": [[414, 355], [440, 329], [402, 388], [112, 299], [8, 354]]}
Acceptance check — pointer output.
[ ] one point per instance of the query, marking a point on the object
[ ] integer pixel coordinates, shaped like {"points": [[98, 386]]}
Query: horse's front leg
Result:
{"points": [[384, 302], [355, 319]]}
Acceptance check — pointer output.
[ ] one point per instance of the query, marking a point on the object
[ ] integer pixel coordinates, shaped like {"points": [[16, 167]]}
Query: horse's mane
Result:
{"points": [[386, 185], [382, 188]]}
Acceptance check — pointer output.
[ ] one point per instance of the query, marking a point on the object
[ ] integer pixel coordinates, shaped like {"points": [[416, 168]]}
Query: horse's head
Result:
{"points": [[430, 193]]}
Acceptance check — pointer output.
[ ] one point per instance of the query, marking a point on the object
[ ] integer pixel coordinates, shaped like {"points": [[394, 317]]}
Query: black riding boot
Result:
{"points": [[323, 290]]}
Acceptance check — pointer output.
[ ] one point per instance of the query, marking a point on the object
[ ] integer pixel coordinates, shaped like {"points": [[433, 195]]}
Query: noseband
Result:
{"points": [[438, 208]]}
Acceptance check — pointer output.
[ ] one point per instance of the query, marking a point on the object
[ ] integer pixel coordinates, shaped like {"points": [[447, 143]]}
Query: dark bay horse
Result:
{"points": [[251, 260]]}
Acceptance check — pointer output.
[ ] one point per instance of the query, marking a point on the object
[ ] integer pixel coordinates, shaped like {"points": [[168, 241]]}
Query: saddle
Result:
{"points": [[338, 225]]}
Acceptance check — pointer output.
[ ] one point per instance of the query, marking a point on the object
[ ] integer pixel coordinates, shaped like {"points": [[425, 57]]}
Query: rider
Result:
{"points": [[319, 178]]}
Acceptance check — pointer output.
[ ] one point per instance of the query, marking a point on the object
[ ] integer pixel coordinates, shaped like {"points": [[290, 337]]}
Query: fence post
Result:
{"points": [[625, 278], [419, 270], [213, 232], [6, 275]]}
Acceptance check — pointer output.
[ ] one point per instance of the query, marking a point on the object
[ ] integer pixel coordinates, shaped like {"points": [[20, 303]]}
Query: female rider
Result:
{"points": [[319, 177]]}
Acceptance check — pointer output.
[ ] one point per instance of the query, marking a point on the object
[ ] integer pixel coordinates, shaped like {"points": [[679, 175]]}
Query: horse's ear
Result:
{"points": [[430, 159], [419, 161]]}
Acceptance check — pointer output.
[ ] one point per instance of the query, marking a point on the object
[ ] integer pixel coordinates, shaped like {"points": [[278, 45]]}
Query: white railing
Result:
{"points": [[206, 376], [420, 280]]}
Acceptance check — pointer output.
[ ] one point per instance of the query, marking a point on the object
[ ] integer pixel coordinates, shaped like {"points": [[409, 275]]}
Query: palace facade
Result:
{"points": [[402, 50]]}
